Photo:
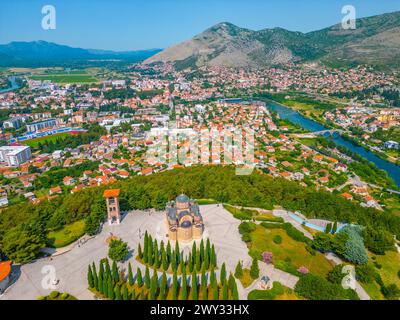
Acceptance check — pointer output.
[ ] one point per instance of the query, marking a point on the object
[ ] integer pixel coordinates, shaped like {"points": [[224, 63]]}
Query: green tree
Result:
{"points": [[90, 277], [95, 277], [118, 250], [115, 275], [125, 293], [110, 293], [163, 286], [239, 270], [254, 270], [147, 278], [117, 293], [222, 273], [139, 278], [194, 286], [184, 287], [175, 286], [131, 280], [140, 253], [153, 285]]}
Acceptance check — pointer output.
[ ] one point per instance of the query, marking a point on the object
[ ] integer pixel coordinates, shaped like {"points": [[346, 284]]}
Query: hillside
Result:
{"points": [[36, 53], [376, 40]]}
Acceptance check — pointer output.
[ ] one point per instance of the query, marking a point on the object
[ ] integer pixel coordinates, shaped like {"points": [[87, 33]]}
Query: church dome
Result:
{"points": [[186, 224], [182, 198]]}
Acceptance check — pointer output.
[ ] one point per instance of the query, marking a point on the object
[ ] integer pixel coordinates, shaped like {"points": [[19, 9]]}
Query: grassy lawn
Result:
{"points": [[289, 250], [246, 280], [72, 77], [390, 267], [33, 143], [374, 291], [206, 201], [67, 234]]}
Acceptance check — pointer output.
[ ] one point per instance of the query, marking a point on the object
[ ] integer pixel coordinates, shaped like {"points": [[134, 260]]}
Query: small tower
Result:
{"points": [[112, 202]]}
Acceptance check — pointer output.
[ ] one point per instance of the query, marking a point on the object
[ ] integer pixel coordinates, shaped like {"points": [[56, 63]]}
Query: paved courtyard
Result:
{"points": [[71, 267]]}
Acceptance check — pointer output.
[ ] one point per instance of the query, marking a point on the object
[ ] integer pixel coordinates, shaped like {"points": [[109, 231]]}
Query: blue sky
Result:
{"points": [[144, 24]]}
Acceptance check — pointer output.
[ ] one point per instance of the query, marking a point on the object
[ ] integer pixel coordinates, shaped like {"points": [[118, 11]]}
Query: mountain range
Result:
{"points": [[375, 41], [43, 53]]}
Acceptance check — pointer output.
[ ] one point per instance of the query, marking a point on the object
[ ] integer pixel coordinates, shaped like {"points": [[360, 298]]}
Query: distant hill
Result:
{"points": [[376, 40], [36, 53]]}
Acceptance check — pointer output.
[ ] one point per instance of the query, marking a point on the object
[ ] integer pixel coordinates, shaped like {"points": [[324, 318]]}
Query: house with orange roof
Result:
{"points": [[347, 196], [55, 190]]}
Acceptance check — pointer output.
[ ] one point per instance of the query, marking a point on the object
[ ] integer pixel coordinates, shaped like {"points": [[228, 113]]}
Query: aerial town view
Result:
{"points": [[238, 150]]}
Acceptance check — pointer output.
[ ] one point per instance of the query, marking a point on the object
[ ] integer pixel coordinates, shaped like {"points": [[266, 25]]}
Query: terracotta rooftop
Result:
{"points": [[111, 193], [5, 269]]}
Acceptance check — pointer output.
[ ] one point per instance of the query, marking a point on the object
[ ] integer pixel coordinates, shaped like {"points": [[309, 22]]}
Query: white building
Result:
{"points": [[15, 155]]}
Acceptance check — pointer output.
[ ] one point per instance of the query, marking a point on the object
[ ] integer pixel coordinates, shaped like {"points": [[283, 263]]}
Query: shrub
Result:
{"points": [[276, 290], [365, 273], [53, 295], [336, 275], [118, 250], [247, 227], [277, 239], [315, 287], [254, 270], [246, 237]]}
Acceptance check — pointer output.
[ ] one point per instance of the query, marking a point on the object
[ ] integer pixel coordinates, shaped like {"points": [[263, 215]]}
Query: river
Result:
{"points": [[14, 85], [392, 169]]}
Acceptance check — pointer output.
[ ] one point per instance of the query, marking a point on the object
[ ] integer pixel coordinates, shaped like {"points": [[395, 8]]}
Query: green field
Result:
{"points": [[67, 234], [33, 143], [63, 77]]}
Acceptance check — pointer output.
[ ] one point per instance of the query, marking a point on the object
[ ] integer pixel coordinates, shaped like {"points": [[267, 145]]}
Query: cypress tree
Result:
{"points": [[184, 286], [206, 259], [117, 293], [164, 260], [334, 228], [140, 253], [173, 262], [194, 286], [194, 252], [201, 250], [208, 247], [155, 253], [153, 285], [215, 294], [174, 286], [163, 286], [101, 276], [190, 263], [104, 286], [181, 265], [107, 268], [169, 255], [213, 279], [177, 252], [213, 257], [131, 280], [139, 278], [223, 273], [95, 278], [90, 277], [150, 251], [254, 270], [145, 248], [204, 286], [115, 275], [224, 291], [110, 294], [147, 278], [125, 294], [328, 228], [198, 262], [239, 270]]}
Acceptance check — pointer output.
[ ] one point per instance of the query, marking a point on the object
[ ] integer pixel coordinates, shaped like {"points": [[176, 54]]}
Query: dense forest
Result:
{"points": [[24, 227]]}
